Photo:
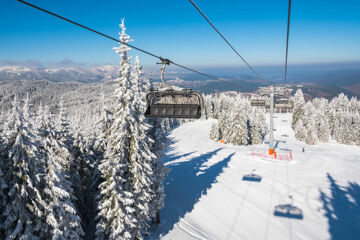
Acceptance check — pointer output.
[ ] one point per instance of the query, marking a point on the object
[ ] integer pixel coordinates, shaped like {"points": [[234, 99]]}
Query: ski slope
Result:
{"points": [[207, 199]]}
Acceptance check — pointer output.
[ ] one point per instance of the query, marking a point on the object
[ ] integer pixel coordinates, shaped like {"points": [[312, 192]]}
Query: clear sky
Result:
{"points": [[321, 31]]}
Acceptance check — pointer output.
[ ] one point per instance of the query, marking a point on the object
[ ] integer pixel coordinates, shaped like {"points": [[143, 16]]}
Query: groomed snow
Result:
{"points": [[207, 199]]}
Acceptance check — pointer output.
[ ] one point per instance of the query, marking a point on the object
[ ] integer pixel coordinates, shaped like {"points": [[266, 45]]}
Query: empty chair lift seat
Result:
{"points": [[257, 102], [174, 111], [174, 104]]}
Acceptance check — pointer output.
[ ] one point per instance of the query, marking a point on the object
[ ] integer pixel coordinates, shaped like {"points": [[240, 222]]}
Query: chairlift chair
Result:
{"points": [[284, 101], [257, 102], [172, 101]]}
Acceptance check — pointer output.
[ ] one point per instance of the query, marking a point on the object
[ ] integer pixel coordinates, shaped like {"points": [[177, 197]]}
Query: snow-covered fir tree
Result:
{"points": [[237, 122], [255, 127], [126, 192], [236, 129], [309, 124], [322, 120], [23, 216], [215, 132], [141, 84], [299, 104], [62, 215]]}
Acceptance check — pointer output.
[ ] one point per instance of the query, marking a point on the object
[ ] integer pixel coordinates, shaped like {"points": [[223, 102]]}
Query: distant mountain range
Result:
{"points": [[83, 75], [317, 80]]}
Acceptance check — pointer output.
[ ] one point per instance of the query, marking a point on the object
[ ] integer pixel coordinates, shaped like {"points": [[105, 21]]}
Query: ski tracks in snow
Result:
{"points": [[234, 209]]}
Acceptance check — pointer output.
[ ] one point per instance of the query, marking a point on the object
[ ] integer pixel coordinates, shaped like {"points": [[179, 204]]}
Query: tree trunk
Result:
{"points": [[158, 217]]}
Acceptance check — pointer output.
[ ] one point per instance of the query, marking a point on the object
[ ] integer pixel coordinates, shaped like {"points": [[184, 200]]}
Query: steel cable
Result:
{"points": [[129, 45]]}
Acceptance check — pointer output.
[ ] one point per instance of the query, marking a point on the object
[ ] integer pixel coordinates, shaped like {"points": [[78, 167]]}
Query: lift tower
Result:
{"points": [[271, 134]]}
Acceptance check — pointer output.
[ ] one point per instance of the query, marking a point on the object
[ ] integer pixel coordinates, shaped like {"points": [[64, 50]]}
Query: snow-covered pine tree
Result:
{"points": [[309, 123], [3, 185], [22, 217], [255, 127], [159, 134], [340, 103], [345, 136], [62, 217], [235, 130], [158, 130], [62, 126], [264, 129], [209, 104], [337, 128], [215, 132], [68, 154], [356, 128], [299, 104], [141, 85], [126, 192], [86, 177], [322, 127], [145, 163], [321, 119], [204, 113], [300, 131]]}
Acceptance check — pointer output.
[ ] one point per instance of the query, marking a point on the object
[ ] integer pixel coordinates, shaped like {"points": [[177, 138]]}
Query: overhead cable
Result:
{"points": [[237, 53], [129, 45], [287, 42]]}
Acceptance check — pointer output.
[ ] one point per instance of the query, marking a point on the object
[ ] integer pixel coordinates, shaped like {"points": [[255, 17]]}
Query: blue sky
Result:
{"points": [[321, 31]]}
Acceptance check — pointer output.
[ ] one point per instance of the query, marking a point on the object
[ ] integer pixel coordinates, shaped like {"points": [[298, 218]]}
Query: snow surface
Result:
{"points": [[207, 199]]}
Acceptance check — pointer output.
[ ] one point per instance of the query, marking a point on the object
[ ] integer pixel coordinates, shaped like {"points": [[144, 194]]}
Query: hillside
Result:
{"points": [[207, 199]]}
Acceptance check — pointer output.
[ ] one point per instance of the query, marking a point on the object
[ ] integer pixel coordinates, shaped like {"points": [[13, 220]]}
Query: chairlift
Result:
{"points": [[252, 177], [172, 101], [257, 102], [288, 210], [284, 101]]}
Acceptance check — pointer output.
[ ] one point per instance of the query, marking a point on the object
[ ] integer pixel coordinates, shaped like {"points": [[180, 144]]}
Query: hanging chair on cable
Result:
{"points": [[288, 210], [257, 102], [172, 101]]}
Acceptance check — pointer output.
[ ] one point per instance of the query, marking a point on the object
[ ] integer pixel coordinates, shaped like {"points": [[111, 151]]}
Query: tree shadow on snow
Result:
{"points": [[342, 208], [172, 157], [184, 185]]}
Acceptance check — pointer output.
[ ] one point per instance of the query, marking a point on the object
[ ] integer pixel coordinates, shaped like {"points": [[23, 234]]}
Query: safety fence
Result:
{"points": [[265, 154]]}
